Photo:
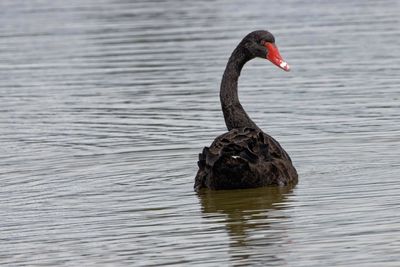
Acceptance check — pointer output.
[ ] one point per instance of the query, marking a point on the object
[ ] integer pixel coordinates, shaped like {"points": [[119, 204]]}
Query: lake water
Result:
{"points": [[106, 104]]}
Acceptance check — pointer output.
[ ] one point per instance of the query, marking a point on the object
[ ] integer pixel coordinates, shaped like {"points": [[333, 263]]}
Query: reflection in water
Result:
{"points": [[251, 217]]}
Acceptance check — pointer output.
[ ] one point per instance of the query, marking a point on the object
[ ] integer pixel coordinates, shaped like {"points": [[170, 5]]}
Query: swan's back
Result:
{"points": [[244, 158]]}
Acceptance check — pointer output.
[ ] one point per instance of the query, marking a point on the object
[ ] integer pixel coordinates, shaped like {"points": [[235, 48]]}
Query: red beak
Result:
{"points": [[274, 56]]}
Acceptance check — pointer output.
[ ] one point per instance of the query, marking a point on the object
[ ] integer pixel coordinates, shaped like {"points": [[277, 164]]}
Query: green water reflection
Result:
{"points": [[252, 218]]}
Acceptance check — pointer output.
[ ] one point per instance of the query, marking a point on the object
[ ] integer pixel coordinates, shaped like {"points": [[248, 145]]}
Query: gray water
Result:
{"points": [[105, 105]]}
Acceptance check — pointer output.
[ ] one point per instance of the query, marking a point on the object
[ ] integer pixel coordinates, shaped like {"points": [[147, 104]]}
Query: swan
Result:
{"points": [[245, 156]]}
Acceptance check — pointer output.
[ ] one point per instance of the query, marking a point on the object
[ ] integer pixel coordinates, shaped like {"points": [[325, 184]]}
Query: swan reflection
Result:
{"points": [[253, 219]]}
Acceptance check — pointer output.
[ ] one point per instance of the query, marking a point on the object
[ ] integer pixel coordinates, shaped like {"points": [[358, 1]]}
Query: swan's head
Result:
{"points": [[262, 44]]}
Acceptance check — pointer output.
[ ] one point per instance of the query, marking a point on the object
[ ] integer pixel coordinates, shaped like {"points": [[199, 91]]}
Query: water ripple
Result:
{"points": [[106, 104]]}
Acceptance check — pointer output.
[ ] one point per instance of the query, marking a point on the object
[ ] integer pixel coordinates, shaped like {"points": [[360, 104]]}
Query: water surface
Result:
{"points": [[106, 104]]}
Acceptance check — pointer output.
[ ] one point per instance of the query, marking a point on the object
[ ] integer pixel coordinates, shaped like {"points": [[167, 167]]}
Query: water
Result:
{"points": [[106, 104]]}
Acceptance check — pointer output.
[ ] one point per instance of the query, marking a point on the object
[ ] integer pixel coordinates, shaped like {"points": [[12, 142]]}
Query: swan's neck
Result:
{"points": [[234, 114]]}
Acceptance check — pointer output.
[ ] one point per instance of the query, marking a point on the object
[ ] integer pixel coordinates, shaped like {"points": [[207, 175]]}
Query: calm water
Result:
{"points": [[106, 104]]}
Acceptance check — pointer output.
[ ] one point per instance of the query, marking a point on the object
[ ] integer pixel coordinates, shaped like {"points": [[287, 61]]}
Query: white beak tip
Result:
{"points": [[284, 66]]}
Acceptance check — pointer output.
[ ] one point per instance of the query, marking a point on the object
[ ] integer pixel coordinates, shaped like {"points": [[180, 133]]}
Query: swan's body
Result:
{"points": [[244, 157]]}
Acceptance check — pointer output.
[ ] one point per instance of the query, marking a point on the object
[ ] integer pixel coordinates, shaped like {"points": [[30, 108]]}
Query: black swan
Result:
{"points": [[244, 157]]}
